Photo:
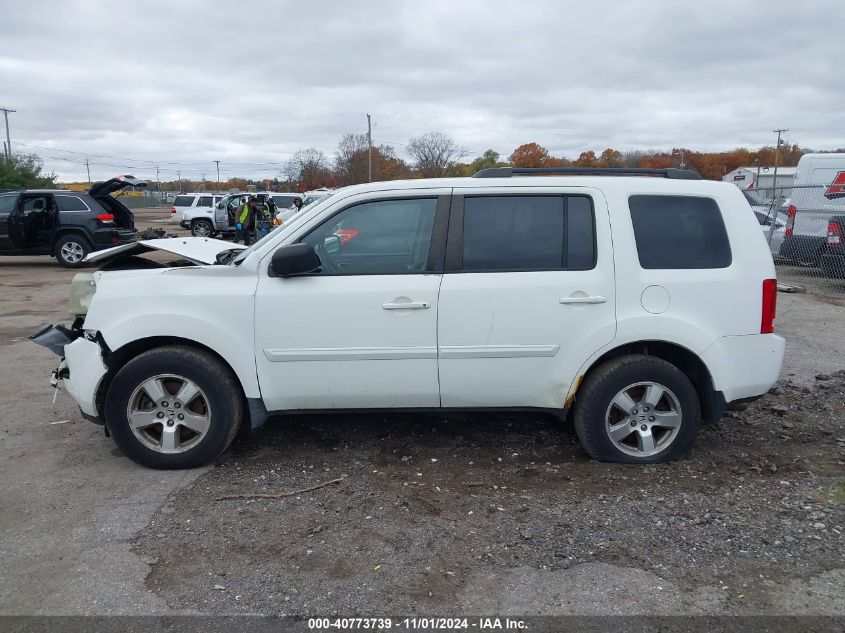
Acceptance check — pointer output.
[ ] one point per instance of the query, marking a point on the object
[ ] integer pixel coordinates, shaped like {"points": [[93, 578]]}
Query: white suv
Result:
{"points": [[639, 305]]}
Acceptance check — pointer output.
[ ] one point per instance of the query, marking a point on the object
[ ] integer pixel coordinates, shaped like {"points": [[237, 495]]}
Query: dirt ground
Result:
{"points": [[420, 514]]}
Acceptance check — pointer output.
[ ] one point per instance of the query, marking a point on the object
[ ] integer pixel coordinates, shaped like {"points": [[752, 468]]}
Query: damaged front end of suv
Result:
{"points": [[86, 358]]}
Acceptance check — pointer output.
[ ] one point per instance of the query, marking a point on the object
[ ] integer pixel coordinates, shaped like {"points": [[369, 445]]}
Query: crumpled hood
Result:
{"points": [[198, 250]]}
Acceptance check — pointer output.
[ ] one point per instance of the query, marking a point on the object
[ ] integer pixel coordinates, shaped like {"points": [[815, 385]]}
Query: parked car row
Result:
{"points": [[209, 215]]}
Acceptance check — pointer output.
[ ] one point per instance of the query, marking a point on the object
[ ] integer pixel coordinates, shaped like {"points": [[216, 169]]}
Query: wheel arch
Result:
{"points": [[116, 359], [69, 230], [712, 401]]}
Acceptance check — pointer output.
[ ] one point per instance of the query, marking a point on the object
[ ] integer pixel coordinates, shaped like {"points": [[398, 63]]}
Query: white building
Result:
{"points": [[760, 178]]}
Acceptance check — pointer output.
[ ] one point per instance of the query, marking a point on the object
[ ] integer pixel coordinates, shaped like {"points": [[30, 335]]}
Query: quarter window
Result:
{"points": [[679, 232], [183, 201], [521, 233], [387, 237], [70, 203]]}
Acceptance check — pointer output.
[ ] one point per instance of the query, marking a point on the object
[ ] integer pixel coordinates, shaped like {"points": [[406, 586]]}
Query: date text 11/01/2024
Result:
{"points": [[417, 624]]}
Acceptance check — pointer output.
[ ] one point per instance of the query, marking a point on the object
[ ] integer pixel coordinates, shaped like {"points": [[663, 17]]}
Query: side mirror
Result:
{"points": [[294, 259], [332, 244]]}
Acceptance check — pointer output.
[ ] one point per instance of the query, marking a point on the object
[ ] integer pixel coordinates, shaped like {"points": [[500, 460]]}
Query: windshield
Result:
{"points": [[275, 232]]}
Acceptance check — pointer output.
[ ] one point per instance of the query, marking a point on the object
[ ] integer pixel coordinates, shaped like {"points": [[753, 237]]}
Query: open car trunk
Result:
{"points": [[101, 192]]}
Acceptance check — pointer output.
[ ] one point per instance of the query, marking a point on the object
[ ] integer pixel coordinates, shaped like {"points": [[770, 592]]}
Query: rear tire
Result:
{"points": [[202, 228], [174, 407], [637, 410], [71, 250]]}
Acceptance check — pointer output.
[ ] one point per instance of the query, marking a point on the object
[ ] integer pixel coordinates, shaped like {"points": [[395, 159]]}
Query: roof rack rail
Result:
{"points": [[507, 172]]}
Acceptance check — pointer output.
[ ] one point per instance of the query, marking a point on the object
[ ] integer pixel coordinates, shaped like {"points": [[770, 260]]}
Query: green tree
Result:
{"points": [[24, 171], [488, 159]]}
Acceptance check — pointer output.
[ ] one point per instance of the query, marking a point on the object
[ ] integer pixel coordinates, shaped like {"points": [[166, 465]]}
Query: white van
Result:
{"points": [[818, 193]]}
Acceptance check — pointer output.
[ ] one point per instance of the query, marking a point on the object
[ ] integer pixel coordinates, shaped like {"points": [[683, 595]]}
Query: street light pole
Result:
{"points": [[217, 162]]}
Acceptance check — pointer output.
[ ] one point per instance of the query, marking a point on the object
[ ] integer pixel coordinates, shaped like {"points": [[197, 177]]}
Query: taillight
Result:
{"points": [[834, 233], [173, 210], [770, 298], [790, 220], [105, 217]]}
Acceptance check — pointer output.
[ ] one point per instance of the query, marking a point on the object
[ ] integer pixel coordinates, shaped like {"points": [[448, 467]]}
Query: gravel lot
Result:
{"points": [[420, 514]]}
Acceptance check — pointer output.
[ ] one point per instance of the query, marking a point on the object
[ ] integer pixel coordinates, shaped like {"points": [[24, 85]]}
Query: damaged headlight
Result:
{"points": [[82, 289]]}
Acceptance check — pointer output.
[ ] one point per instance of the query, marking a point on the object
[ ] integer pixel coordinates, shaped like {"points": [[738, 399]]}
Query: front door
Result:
{"points": [[33, 222], [361, 333], [527, 296], [8, 202]]}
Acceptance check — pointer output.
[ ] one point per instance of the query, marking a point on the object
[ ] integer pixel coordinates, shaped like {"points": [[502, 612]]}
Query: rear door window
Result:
{"points": [[679, 232], [183, 201], [523, 233], [205, 201]]}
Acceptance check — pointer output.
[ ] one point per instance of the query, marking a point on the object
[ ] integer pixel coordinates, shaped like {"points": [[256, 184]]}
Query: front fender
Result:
{"points": [[212, 306]]}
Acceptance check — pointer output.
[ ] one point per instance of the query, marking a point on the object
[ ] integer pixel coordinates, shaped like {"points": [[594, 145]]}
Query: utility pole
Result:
{"points": [[683, 164], [774, 185], [777, 155], [369, 148], [158, 181], [88, 169], [9, 140], [179, 177], [217, 162]]}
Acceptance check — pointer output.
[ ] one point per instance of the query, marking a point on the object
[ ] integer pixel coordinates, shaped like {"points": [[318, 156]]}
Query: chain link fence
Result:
{"points": [[805, 228]]}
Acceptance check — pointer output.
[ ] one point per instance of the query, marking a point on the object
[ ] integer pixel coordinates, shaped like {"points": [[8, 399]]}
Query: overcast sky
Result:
{"points": [[181, 84]]}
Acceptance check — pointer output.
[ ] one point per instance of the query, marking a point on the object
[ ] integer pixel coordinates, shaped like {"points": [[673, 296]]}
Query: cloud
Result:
{"points": [[183, 84]]}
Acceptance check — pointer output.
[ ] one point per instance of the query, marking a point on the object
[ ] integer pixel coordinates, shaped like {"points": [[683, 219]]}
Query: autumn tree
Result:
{"points": [[351, 163], [309, 168], [586, 159], [611, 158], [529, 155], [433, 154]]}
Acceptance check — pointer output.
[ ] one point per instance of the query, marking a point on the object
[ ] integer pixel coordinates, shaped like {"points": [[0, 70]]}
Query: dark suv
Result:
{"points": [[66, 224]]}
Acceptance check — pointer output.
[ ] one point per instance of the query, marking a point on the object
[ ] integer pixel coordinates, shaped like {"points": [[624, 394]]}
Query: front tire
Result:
{"points": [[637, 410], [202, 228], [71, 250], [174, 407]]}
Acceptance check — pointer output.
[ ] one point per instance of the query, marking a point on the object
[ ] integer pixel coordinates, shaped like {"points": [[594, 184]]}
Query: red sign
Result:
{"points": [[837, 187]]}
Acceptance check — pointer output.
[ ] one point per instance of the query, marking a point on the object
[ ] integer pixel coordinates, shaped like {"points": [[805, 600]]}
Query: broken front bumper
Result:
{"points": [[82, 368]]}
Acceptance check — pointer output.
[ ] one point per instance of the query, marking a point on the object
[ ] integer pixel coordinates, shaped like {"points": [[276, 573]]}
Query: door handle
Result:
{"points": [[592, 299], [410, 305]]}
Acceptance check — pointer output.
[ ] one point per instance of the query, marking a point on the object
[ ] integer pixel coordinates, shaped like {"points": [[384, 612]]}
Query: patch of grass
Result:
{"points": [[836, 492]]}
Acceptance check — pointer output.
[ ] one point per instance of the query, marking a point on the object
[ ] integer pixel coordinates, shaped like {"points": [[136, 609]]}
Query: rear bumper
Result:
{"points": [[108, 239], [744, 367]]}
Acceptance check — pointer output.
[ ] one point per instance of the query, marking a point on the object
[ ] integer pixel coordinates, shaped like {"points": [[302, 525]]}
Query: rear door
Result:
{"points": [[527, 295]]}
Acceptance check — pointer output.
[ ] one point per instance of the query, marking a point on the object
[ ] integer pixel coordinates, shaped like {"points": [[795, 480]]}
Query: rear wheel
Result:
{"points": [[637, 410], [174, 407], [202, 228], [71, 250]]}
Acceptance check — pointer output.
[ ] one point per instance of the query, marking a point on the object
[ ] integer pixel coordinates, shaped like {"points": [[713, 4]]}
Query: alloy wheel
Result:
{"points": [[169, 413], [643, 419]]}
